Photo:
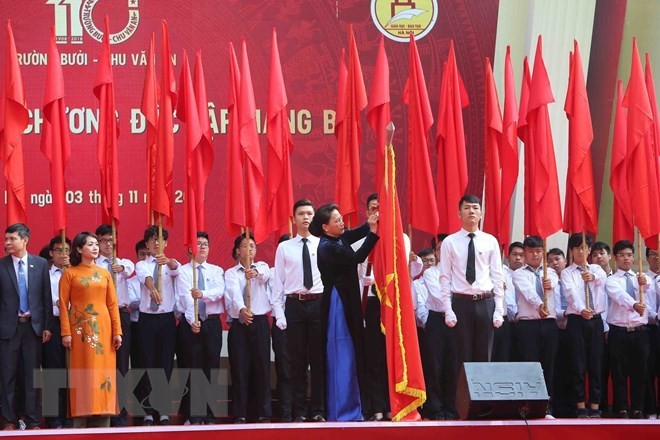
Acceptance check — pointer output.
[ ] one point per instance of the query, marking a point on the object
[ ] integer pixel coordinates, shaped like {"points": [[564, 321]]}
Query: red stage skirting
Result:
{"points": [[495, 430]]}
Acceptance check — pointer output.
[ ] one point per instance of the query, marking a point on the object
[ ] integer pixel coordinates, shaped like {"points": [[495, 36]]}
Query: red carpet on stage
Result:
{"points": [[494, 430]]}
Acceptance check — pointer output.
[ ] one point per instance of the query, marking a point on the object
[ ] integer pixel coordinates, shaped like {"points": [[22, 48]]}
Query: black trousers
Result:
{"points": [[123, 361], [24, 349], [303, 335], [283, 371], [379, 399], [157, 342], [443, 368], [629, 352], [537, 341], [249, 350], [563, 404], [653, 383], [587, 342], [201, 353], [53, 357], [474, 329], [503, 342]]}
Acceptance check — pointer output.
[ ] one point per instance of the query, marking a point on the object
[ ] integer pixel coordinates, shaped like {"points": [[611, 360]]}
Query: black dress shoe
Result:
{"points": [[164, 422], [240, 421], [637, 415], [301, 419], [377, 418], [622, 415], [317, 418], [264, 420], [285, 419], [147, 422]]}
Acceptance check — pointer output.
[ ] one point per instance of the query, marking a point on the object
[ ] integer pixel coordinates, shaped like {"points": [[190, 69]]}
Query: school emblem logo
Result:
{"points": [[74, 17], [396, 19]]}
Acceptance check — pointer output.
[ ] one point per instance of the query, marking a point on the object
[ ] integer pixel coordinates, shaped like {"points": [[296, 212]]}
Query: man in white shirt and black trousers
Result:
{"points": [[628, 336], [297, 290], [201, 339], [122, 269], [652, 391], [472, 284]]}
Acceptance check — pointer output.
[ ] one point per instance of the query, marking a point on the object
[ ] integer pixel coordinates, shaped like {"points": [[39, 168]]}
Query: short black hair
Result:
{"points": [[425, 252], [152, 231], [45, 253], [142, 244], [575, 240], [438, 239], [372, 196], [321, 217], [469, 198], [301, 202], [202, 234], [516, 244], [58, 240], [623, 244], [283, 238], [237, 244], [104, 230], [556, 251], [601, 246], [20, 228], [533, 241]]}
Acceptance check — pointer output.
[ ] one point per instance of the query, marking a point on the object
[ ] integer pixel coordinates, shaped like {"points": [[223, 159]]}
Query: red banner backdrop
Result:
{"points": [[311, 36]]}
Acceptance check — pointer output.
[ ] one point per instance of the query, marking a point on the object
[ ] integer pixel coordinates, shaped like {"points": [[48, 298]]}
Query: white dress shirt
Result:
{"points": [[621, 312], [434, 300], [214, 289], [571, 278], [144, 270], [528, 300], [123, 299], [420, 293], [560, 306], [509, 294], [289, 272], [235, 283], [134, 292], [488, 269], [55, 276], [651, 296]]}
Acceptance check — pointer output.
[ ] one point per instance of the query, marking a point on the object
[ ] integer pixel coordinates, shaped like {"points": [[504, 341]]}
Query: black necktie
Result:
{"points": [[470, 272], [308, 281]]}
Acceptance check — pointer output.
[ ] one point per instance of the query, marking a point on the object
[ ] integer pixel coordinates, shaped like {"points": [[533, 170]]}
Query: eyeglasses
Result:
{"points": [[106, 241], [60, 251], [428, 260], [202, 245]]}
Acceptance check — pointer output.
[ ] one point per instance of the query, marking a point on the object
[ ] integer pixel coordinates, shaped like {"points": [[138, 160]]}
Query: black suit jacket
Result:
{"points": [[41, 303]]}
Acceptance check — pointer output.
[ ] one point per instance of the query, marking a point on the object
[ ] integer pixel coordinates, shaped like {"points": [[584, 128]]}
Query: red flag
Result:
{"points": [[378, 110], [652, 242], [492, 168], [404, 367], [420, 120], [640, 166], [279, 192], [580, 213], [149, 108], [508, 152], [255, 208], [523, 134], [347, 174], [104, 91], [13, 120], [235, 202], [187, 112], [55, 143], [545, 186], [622, 227], [450, 145], [204, 152], [162, 201]]}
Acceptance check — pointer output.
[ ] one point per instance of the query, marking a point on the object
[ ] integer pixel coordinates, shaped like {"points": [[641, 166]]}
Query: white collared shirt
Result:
{"points": [[121, 287], [55, 274], [214, 289], [571, 278], [621, 312], [289, 271], [259, 298], [434, 300], [651, 296], [134, 293], [488, 269], [528, 300], [509, 294], [420, 295], [144, 270], [559, 307]]}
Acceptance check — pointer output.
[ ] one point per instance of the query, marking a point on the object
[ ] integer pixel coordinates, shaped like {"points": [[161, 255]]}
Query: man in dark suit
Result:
{"points": [[26, 312]]}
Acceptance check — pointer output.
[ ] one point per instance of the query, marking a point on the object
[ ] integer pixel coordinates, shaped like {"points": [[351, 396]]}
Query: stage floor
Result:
{"points": [[564, 429]]}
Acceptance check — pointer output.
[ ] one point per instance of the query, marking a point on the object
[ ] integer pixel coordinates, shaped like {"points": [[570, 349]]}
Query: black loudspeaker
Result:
{"points": [[501, 390]]}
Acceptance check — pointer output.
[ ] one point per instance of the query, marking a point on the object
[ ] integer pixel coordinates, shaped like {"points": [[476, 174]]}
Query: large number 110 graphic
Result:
{"points": [[68, 26]]}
